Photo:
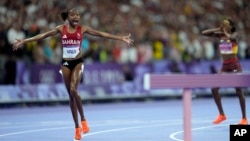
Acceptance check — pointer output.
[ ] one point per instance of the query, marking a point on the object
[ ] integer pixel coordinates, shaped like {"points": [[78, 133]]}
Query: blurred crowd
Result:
{"points": [[161, 29]]}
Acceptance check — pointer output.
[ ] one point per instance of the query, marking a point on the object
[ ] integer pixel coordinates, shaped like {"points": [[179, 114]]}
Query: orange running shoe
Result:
{"points": [[85, 127], [243, 122], [78, 134], [219, 119]]}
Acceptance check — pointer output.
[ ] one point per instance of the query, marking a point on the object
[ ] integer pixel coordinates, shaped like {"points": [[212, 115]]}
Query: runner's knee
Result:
{"points": [[238, 90], [73, 90]]}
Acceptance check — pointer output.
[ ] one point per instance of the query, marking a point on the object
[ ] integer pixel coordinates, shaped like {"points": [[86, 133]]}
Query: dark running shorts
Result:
{"points": [[231, 65], [72, 63]]}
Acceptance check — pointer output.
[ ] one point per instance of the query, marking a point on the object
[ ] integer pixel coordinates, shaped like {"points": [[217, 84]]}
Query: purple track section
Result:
{"points": [[127, 121]]}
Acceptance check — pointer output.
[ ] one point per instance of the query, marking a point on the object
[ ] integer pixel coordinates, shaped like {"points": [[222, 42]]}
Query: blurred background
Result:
{"points": [[167, 35]]}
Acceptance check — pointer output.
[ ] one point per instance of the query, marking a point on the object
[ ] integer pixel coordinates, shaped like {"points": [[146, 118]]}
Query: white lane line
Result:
{"points": [[173, 135], [31, 131], [93, 133]]}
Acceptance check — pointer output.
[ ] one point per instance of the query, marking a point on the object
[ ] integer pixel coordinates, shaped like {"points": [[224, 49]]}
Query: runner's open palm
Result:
{"points": [[17, 44], [128, 40]]}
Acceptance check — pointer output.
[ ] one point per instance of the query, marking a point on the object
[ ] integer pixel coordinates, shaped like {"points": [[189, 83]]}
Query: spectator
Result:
{"points": [[150, 22], [10, 71]]}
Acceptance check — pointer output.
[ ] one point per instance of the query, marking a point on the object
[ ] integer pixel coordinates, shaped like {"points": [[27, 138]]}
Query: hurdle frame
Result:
{"points": [[190, 81]]}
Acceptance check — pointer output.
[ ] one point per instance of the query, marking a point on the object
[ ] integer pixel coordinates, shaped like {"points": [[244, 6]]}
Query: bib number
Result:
{"points": [[71, 52], [226, 48]]}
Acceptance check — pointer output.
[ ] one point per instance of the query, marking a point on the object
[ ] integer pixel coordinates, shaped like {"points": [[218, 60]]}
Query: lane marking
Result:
{"points": [[173, 135], [155, 123], [31, 131], [103, 131]]}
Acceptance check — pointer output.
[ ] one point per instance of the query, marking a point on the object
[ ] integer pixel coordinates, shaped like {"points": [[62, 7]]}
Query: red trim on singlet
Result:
{"points": [[76, 36]]}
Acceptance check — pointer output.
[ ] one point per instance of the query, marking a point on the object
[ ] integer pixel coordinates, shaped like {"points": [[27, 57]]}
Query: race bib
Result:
{"points": [[70, 52], [226, 48]]}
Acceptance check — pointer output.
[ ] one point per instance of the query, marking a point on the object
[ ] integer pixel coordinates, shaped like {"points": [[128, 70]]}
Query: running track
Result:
{"points": [[124, 121]]}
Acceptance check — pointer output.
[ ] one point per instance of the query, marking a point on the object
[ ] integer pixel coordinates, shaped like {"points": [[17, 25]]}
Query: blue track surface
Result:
{"points": [[130, 121]]}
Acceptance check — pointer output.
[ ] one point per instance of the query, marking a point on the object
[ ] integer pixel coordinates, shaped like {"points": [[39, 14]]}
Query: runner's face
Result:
{"points": [[74, 17]]}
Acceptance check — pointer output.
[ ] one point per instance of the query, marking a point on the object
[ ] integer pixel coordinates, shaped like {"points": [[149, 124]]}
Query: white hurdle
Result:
{"points": [[190, 81]]}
